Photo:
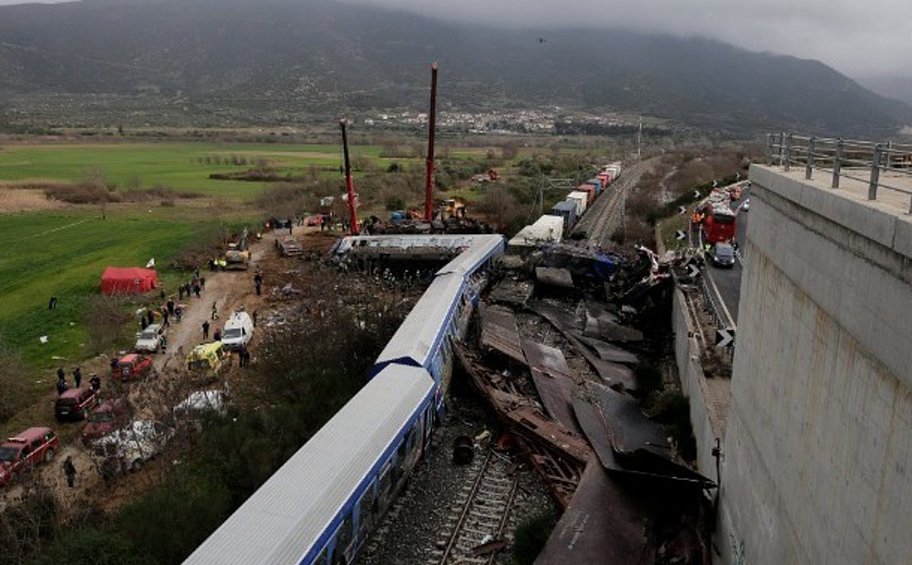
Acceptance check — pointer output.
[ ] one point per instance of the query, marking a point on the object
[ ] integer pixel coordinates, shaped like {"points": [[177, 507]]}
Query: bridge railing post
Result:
{"points": [[837, 162], [782, 149], [788, 152], [809, 166], [875, 172]]}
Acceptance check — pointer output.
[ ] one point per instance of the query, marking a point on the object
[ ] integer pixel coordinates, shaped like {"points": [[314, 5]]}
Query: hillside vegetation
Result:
{"points": [[218, 61]]}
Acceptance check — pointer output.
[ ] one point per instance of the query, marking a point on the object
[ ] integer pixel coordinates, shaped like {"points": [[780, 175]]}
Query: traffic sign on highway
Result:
{"points": [[682, 210], [692, 271], [680, 235], [725, 338]]}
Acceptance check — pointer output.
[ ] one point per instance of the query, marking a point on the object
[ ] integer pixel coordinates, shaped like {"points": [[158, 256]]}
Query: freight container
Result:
{"points": [[588, 189], [596, 183], [567, 211], [583, 201], [546, 229]]}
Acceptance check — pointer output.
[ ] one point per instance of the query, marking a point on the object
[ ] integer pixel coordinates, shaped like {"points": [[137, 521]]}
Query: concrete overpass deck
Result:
{"points": [[853, 184]]}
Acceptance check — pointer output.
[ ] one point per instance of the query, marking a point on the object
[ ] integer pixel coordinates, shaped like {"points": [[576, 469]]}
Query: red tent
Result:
{"points": [[128, 280]]}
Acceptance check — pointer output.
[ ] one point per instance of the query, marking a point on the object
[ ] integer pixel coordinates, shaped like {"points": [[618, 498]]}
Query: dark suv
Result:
{"points": [[75, 404], [723, 255]]}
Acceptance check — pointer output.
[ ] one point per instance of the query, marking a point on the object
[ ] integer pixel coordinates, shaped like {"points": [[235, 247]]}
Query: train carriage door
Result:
{"points": [[368, 510], [385, 486], [341, 554]]}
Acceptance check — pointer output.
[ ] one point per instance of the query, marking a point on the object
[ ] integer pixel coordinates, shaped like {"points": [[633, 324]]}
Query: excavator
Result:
{"points": [[237, 257]]}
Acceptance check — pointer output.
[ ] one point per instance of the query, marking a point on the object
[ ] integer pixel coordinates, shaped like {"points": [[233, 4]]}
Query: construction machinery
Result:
{"points": [[451, 208], [237, 257]]}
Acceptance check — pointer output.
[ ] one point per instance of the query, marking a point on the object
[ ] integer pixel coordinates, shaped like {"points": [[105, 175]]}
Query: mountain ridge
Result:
{"points": [[329, 56]]}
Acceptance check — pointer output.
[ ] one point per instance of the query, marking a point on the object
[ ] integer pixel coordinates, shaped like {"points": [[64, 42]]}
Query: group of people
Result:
{"points": [[63, 386], [193, 287]]}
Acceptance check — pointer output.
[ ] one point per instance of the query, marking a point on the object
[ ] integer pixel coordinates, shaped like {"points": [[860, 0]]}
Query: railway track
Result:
{"points": [[605, 215], [478, 516]]}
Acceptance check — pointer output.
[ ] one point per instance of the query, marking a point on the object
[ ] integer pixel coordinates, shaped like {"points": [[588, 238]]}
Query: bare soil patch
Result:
{"points": [[26, 200]]}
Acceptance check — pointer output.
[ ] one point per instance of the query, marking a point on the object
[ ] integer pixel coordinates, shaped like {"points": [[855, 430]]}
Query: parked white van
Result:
{"points": [[238, 331]]}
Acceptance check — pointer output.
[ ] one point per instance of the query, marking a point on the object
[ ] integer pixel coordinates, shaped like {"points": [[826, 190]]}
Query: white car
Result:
{"points": [[238, 331], [125, 450], [149, 339], [202, 401]]}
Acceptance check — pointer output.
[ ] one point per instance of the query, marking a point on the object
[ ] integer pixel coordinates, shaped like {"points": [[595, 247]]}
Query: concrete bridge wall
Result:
{"points": [[817, 461]]}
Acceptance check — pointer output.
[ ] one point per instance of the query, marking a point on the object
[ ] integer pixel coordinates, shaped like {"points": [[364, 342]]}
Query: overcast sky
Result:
{"points": [[858, 37]]}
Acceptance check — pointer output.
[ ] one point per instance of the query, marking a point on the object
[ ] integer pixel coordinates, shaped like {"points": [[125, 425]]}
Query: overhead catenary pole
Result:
{"points": [[349, 185], [432, 120]]}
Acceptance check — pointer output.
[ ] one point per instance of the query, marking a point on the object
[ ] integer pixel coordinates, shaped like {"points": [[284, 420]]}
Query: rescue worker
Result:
{"points": [[77, 376], [61, 386], [70, 471], [95, 383], [164, 344], [206, 329], [214, 315]]}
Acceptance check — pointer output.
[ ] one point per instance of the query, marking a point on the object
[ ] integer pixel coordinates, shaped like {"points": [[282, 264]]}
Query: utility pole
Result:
{"points": [[640, 138]]}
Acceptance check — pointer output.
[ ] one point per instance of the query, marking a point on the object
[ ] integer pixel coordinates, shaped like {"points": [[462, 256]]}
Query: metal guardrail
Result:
{"points": [[863, 161]]}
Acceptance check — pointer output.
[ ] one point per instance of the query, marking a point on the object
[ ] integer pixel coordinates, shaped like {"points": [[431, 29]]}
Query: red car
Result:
{"points": [[25, 450], [75, 404], [132, 366], [105, 418]]}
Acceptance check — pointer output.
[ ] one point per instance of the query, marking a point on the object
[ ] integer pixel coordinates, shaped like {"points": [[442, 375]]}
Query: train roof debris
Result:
{"points": [[500, 333], [554, 277], [603, 524]]}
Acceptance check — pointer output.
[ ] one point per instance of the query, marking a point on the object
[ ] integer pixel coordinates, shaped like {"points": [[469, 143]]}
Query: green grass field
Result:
{"points": [[63, 255], [176, 165]]}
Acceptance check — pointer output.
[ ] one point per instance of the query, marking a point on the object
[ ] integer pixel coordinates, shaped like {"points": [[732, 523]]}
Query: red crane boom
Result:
{"points": [[432, 120], [349, 184]]}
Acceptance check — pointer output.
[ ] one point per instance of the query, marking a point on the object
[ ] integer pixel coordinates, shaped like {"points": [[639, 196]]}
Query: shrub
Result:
{"points": [[648, 377], [395, 203], [91, 546], [81, 193], [168, 523], [25, 523], [531, 536], [674, 411], [104, 320]]}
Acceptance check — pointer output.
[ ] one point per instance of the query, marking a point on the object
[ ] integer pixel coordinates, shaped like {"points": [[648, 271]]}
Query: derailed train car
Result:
{"points": [[320, 507]]}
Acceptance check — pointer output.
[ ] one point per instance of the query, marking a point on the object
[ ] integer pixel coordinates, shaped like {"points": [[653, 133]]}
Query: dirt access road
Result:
{"points": [[229, 291]]}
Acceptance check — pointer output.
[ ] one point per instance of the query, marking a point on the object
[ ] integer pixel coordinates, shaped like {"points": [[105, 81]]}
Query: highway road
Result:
{"points": [[728, 281]]}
